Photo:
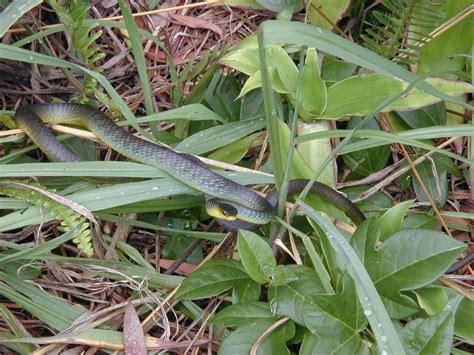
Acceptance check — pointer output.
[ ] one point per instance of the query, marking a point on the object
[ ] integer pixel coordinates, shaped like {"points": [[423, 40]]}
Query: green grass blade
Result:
{"points": [[138, 55], [122, 194], [89, 168], [215, 237], [54, 311], [117, 270], [219, 136], [23, 55], [14, 11], [378, 138], [40, 249]]}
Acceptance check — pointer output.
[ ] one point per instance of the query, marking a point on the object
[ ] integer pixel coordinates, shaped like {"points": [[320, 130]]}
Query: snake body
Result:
{"points": [[236, 206]]}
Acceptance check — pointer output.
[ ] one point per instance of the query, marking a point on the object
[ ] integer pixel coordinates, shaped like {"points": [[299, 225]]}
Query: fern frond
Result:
{"points": [[402, 29], [72, 14], [71, 216]]}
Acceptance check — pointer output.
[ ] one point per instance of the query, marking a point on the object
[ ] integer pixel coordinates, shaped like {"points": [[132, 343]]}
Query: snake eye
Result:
{"points": [[228, 211]]}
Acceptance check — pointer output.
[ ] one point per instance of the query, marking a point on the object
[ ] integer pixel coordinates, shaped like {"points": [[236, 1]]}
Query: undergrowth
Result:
{"points": [[386, 121]]}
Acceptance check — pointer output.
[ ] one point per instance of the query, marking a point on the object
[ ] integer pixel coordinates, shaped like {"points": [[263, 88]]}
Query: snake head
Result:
{"points": [[220, 209]]}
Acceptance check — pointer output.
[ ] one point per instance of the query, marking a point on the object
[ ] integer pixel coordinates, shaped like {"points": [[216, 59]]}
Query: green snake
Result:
{"points": [[235, 206]]}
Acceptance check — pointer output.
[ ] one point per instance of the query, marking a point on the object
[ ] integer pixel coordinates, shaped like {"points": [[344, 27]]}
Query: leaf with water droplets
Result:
{"points": [[433, 335], [335, 319], [408, 260]]}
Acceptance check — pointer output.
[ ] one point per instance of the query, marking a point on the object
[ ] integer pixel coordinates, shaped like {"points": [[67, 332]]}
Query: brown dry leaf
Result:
{"points": [[133, 337], [184, 269], [197, 23]]}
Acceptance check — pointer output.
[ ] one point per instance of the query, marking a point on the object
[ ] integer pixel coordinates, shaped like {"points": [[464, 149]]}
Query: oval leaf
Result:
{"points": [[256, 255]]}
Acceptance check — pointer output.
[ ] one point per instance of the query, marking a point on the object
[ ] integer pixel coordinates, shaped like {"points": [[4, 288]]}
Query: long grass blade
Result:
{"points": [[14, 11], [138, 55]]}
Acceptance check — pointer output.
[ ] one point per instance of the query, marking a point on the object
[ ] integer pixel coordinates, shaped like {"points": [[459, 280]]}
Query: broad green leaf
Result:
{"points": [[309, 346], [241, 340], [433, 115], [244, 59], [248, 291], [456, 39], [334, 70], [273, 5], [212, 279], [175, 246], [277, 57], [408, 260], [299, 168], [282, 275], [420, 221], [256, 256], [365, 237], [432, 299], [391, 221], [283, 73], [235, 151], [374, 310], [313, 152], [368, 161], [240, 314], [429, 336], [308, 282], [255, 81], [435, 181], [418, 98], [433, 335], [313, 89], [252, 105], [333, 11], [464, 326], [358, 95], [221, 95], [335, 319]]}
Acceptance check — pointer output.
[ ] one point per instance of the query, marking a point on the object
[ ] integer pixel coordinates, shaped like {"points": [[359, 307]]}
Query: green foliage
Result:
{"points": [[392, 34], [71, 221], [349, 291], [368, 161], [406, 260], [72, 14]]}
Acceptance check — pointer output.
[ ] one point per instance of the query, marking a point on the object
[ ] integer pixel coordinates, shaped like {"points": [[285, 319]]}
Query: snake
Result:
{"points": [[233, 205]]}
